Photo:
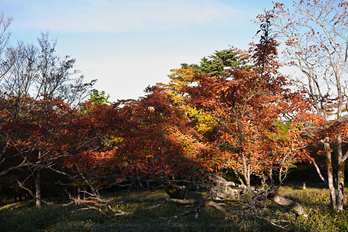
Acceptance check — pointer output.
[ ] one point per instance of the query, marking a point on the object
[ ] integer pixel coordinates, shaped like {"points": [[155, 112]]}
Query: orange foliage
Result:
{"points": [[154, 138]]}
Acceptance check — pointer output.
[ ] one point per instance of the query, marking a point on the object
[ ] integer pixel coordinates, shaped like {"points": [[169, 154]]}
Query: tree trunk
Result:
{"points": [[330, 178], [78, 195], [340, 187], [340, 175], [38, 188], [38, 184]]}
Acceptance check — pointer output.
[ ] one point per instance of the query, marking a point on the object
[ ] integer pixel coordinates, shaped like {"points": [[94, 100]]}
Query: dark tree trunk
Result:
{"points": [[38, 188], [38, 184]]}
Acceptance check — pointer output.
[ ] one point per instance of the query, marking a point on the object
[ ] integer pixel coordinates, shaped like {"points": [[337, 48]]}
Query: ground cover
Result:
{"points": [[25, 216]]}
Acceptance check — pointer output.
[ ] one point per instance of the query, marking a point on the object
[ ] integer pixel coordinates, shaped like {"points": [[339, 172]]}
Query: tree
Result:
{"points": [[315, 34], [249, 111], [56, 76], [214, 65], [36, 81], [37, 139], [15, 87]]}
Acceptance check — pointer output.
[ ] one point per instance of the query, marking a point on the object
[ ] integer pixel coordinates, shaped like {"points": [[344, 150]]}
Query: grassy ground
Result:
{"points": [[315, 199]]}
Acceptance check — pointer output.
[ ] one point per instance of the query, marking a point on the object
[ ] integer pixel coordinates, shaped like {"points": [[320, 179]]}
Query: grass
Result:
{"points": [[315, 200]]}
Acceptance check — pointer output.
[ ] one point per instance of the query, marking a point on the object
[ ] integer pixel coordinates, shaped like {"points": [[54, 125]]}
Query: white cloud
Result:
{"points": [[130, 15]]}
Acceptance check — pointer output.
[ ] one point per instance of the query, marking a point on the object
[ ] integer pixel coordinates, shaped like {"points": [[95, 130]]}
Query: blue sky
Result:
{"points": [[130, 44]]}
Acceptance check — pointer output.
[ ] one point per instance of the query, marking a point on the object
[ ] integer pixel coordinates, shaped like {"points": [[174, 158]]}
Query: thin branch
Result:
{"points": [[318, 169]]}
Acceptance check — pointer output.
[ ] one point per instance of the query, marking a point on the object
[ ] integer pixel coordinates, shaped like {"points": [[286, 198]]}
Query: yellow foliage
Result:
{"points": [[118, 140]]}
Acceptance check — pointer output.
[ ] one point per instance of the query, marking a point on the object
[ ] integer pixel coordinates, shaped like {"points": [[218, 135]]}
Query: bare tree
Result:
{"points": [[4, 39], [56, 76], [316, 38]]}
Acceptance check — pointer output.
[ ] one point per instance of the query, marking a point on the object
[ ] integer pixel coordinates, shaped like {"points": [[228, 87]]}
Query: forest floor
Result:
{"points": [[24, 216]]}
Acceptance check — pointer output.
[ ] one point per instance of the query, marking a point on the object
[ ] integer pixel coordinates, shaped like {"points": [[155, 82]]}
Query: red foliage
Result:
{"points": [[150, 137], [260, 120]]}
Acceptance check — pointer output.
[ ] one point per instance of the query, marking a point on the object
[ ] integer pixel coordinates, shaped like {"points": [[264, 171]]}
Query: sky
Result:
{"points": [[128, 45]]}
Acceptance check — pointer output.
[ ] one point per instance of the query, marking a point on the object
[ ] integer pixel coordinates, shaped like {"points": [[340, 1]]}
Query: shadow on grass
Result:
{"points": [[52, 219]]}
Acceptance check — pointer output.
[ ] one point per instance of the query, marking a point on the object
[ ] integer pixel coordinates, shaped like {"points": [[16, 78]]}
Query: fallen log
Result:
{"points": [[289, 203]]}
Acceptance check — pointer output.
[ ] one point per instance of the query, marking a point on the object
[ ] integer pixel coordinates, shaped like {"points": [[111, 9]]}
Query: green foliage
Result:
{"points": [[214, 64], [99, 98], [283, 128]]}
